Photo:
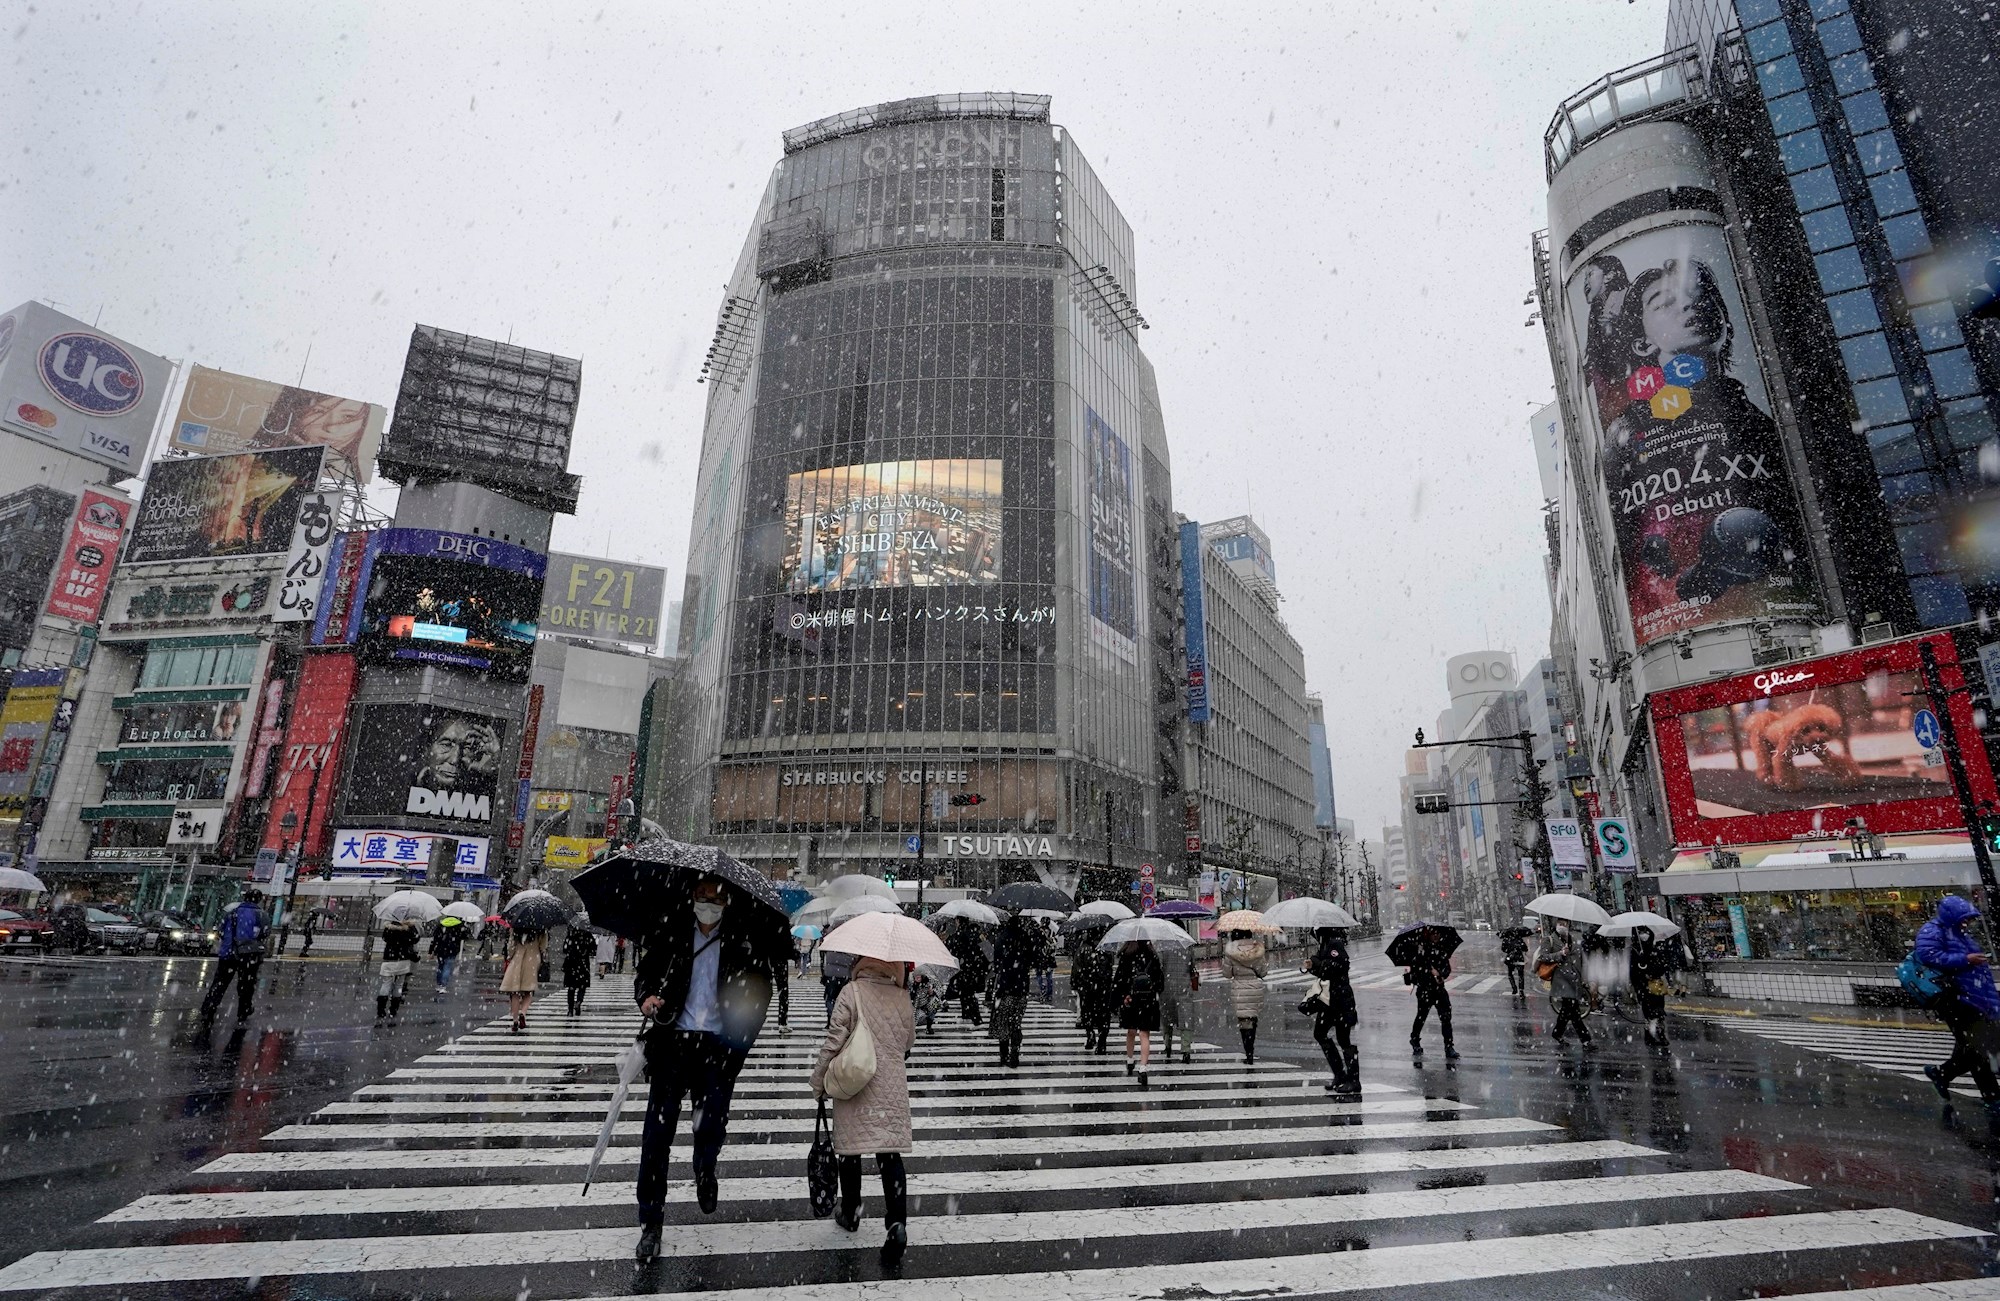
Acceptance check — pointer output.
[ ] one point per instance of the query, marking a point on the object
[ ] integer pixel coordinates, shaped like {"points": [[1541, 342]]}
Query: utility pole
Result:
{"points": [[1961, 783], [1110, 863], [923, 802]]}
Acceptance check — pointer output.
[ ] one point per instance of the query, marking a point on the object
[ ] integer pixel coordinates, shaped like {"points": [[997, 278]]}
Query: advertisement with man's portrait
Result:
{"points": [[425, 760], [1707, 525], [205, 506]]}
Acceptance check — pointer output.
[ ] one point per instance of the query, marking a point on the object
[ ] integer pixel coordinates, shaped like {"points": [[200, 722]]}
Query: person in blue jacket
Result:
{"points": [[1970, 1007]]}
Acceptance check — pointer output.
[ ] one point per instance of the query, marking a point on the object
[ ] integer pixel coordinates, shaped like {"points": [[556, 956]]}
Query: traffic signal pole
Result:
{"points": [[1961, 782], [923, 803]]}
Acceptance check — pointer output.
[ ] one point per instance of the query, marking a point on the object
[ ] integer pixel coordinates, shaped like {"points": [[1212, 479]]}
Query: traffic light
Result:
{"points": [[1989, 830], [960, 801], [1437, 803]]}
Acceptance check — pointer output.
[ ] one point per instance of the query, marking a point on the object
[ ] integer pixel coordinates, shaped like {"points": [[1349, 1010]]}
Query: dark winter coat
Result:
{"points": [[1091, 975], [446, 941], [1647, 963], [399, 942], [1514, 949], [1943, 944], [753, 946], [1332, 965], [971, 954], [1013, 958], [579, 956]]}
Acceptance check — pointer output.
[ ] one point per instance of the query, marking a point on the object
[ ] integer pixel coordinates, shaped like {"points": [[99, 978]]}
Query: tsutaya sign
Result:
{"points": [[1005, 844], [871, 776]]}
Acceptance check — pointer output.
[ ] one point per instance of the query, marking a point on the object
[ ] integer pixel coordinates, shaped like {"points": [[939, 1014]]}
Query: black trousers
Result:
{"points": [[1569, 1012], [895, 1186], [1971, 1035], [1429, 997], [1517, 978], [703, 1069], [1335, 1038], [576, 993], [244, 972]]}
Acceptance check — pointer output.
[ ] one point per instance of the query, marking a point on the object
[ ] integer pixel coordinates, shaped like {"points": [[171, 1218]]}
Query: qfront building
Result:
{"points": [[931, 582]]}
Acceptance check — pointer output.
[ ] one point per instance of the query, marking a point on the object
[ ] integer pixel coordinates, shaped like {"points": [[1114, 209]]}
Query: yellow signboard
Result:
{"points": [[572, 851], [551, 801]]}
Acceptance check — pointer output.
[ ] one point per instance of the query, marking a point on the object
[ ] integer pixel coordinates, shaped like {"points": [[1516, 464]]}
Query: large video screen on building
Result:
{"points": [[1795, 751], [425, 760], [244, 504], [440, 611], [893, 524]]}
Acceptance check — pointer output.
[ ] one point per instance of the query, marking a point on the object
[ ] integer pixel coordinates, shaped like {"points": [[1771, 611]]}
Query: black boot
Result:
{"points": [[649, 1243], [395, 1010], [848, 1214], [381, 1008], [1248, 1034]]}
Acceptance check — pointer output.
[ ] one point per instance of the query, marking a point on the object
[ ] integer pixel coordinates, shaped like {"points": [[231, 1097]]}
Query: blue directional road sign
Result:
{"points": [[1925, 725], [913, 843]]}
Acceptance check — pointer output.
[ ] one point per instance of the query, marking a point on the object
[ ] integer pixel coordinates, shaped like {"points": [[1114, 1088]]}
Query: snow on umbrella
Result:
{"points": [[409, 906], [1245, 919], [1570, 907], [1180, 908], [1016, 895], [889, 936], [1309, 914], [1111, 908], [534, 911], [13, 878], [629, 892], [631, 1060], [855, 907], [1150, 930], [847, 887], [1087, 922], [1046, 914], [1626, 923], [1423, 940], [971, 911]]}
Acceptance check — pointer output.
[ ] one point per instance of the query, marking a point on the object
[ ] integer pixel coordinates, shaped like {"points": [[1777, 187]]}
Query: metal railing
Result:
{"points": [[1641, 91]]}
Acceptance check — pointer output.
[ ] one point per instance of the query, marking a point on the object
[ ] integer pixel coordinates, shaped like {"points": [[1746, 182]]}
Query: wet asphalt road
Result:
{"points": [[108, 1096]]}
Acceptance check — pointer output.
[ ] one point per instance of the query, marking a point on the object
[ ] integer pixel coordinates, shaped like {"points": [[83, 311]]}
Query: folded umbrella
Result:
{"points": [[1111, 908], [891, 937], [849, 909], [1569, 907], [1150, 930], [631, 1060], [1245, 919], [1626, 923], [1308, 914], [1016, 895], [1425, 940], [1180, 908], [534, 911], [630, 891], [971, 911], [409, 906]]}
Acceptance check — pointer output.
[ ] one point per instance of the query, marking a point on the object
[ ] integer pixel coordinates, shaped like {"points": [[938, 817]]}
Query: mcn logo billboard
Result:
{"points": [[462, 805], [92, 374]]}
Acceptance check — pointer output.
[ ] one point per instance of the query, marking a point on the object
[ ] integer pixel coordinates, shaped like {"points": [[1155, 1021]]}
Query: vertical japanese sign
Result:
{"points": [[1196, 617], [524, 771], [305, 564], [83, 570]]}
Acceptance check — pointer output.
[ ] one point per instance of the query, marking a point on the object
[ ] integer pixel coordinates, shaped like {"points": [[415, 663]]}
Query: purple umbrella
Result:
{"points": [[1180, 908]]}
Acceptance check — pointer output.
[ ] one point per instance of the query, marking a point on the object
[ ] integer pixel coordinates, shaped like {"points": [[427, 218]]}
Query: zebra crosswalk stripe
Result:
{"points": [[1895, 1049], [448, 1170]]}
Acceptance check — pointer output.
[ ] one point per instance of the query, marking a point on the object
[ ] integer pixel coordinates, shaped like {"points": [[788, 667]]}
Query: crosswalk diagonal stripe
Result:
{"points": [[1164, 1104]]}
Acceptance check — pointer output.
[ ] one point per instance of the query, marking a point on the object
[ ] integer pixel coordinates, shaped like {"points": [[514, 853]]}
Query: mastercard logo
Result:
{"points": [[35, 415]]}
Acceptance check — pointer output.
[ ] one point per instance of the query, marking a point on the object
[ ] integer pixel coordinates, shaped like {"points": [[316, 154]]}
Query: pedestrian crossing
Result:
{"points": [[460, 1173], [1899, 1050], [1386, 977]]}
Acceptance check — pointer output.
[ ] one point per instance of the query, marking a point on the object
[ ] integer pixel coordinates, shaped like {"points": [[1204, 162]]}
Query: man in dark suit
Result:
{"points": [[705, 979]]}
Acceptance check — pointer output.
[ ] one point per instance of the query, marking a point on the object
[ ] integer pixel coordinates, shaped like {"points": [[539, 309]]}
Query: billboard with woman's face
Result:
{"points": [[1707, 526]]}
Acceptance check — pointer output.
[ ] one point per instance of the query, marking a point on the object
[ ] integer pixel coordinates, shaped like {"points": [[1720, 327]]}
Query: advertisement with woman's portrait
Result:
{"points": [[1707, 524]]}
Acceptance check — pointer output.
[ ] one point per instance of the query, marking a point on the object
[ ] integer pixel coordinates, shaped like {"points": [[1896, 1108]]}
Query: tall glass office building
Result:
{"points": [[923, 565]]}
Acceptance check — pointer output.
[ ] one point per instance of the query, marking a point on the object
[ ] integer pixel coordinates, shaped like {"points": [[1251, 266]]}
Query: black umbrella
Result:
{"points": [[1516, 931], [629, 892], [1425, 940], [1029, 894], [1089, 922], [533, 911]]}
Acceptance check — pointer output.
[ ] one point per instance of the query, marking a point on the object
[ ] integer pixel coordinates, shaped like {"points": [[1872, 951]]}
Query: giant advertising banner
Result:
{"points": [[24, 722], [221, 412], [1707, 525], [83, 569], [308, 770], [1794, 751], [1113, 572], [893, 524], [425, 761], [603, 600], [69, 386], [246, 504], [449, 598]]}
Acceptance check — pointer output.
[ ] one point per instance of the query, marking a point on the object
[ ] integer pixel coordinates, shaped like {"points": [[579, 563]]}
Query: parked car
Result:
{"points": [[89, 929], [18, 933], [171, 934]]}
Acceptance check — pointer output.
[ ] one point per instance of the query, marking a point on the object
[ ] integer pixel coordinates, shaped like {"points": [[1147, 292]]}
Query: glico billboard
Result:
{"points": [[1797, 750]]}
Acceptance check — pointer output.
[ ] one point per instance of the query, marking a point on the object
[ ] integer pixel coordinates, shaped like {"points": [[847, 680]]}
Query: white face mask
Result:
{"points": [[708, 914]]}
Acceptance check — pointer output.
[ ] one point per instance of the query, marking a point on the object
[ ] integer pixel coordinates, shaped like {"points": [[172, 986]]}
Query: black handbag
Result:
{"points": [[822, 1179]]}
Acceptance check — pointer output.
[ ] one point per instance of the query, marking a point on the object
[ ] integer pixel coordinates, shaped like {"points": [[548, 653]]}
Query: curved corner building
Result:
{"points": [[933, 540]]}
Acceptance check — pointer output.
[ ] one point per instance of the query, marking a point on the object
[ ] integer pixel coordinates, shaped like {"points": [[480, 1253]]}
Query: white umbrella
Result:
{"points": [[1308, 914], [816, 910], [1045, 914], [863, 903], [13, 878], [1570, 907], [1111, 908], [631, 1060], [971, 910], [1626, 923], [409, 906], [1150, 929], [891, 937], [847, 887], [466, 911]]}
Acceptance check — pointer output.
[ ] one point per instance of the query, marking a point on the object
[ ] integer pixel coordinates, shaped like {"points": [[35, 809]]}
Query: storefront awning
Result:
{"points": [[1917, 866]]}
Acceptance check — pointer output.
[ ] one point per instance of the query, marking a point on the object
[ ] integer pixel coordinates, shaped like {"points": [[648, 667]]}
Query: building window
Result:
{"points": [[1803, 149], [1851, 73], [1878, 152], [1780, 77], [1815, 189], [1840, 269], [1906, 235], [1952, 374], [1865, 113], [1792, 113], [1940, 600], [1853, 312], [1881, 402], [1936, 325], [1827, 229], [1767, 42], [198, 666], [1839, 36], [1867, 357]]}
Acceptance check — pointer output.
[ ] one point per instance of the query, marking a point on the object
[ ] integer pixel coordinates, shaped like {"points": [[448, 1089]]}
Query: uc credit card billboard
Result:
{"points": [[71, 386]]}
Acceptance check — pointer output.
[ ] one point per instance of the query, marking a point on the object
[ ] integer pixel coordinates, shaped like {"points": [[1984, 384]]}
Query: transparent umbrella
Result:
{"points": [[855, 907], [409, 906], [631, 1060]]}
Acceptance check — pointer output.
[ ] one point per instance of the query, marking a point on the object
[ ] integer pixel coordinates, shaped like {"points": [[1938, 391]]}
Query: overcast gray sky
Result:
{"points": [[1332, 205]]}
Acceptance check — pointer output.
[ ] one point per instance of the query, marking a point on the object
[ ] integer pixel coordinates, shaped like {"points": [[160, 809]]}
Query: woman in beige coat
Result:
{"points": [[1243, 966], [877, 1119], [522, 976]]}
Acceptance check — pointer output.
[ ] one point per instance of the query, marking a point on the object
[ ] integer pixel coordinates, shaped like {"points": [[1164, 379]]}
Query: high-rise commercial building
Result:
{"points": [[932, 559], [1322, 761]]}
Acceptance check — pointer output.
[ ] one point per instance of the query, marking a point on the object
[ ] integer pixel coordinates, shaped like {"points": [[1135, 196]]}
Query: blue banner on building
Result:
{"points": [[1197, 623]]}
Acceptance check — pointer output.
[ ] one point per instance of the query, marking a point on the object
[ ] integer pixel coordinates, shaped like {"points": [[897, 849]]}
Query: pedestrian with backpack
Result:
{"points": [[1965, 999], [239, 957], [1136, 983]]}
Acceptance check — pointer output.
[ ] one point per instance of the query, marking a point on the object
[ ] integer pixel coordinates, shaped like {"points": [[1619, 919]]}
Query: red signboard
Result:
{"points": [[309, 762], [83, 570], [1793, 752], [338, 603], [524, 771]]}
